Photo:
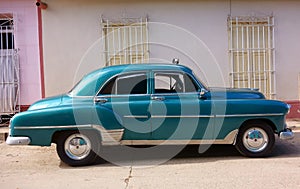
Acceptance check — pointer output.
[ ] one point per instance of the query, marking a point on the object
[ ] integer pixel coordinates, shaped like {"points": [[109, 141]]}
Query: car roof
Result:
{"points": [[141, 67], [91, 82]]}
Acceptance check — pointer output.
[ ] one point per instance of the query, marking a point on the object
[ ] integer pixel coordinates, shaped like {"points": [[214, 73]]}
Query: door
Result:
{"points": [[124, 102], [177, 111], [9, 67]]}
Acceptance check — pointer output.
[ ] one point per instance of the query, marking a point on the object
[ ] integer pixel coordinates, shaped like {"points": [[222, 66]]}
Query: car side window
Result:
{"points": [[190, 85], [126, 84], [174, 83]]}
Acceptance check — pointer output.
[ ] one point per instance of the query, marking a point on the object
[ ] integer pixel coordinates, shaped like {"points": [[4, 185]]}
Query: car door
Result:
{"points": [[177, 111], [126, 98]]}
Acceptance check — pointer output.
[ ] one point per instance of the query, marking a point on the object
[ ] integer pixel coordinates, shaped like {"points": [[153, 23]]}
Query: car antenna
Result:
{"points": [[175, 61]]}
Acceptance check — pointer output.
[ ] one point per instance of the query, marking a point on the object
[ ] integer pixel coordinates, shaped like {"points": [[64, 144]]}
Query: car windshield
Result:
{"points": [[201, 82], [87, 86], [75, 88]]}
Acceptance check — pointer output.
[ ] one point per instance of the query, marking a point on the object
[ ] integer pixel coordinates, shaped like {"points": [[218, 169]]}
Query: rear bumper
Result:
{"points": [[287, 134], [17, 140]]}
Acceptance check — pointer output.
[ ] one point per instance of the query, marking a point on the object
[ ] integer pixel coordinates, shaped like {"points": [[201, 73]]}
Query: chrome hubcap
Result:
{"points": [[255, 139], [77, 146]]}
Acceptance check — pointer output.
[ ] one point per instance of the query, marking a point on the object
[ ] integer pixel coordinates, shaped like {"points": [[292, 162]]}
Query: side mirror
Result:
{"points": [[202, 93]]}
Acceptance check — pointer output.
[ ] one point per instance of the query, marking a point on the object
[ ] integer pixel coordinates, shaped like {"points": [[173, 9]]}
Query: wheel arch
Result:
{"points": [[82, 151], [261, 120], [56, 135], [246, 146]]}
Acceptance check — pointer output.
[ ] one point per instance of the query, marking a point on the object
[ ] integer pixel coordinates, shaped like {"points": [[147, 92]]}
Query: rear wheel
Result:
{"points": [[255, 139], [78, 148]]}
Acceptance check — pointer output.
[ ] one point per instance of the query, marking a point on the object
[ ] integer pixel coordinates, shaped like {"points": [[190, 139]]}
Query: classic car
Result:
{"points": [[149, 104]]}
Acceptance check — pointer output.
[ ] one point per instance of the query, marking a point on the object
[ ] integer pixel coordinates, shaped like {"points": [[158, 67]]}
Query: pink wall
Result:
{"points": [[27, 41]]}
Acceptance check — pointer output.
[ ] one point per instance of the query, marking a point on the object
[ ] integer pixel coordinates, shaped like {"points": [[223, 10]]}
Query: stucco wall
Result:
{"points": [[287, 40], [194, 31], [26, 40]]}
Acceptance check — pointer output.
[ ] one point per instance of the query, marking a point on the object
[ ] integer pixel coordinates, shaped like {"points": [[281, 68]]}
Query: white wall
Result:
{"points": [[194, 31], [287, 40]]}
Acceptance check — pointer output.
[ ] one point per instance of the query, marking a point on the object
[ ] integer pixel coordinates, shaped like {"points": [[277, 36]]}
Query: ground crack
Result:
{"points": [[126, 180]]}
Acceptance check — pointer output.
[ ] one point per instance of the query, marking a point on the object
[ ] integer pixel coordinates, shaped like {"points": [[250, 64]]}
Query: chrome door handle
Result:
{"points": [[158, 98], [100, 100]]}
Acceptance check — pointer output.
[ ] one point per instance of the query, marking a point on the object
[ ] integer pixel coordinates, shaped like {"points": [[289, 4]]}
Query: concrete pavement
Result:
{"points": [[219, 167], [294, 124]]}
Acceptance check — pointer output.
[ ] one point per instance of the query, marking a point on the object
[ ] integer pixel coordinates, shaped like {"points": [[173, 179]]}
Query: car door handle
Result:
{"points": [[158, 98], [100, 100]]}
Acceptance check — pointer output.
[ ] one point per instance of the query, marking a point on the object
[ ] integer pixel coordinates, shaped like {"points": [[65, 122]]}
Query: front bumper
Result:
{"points": [[287, 134], [17, 140]]}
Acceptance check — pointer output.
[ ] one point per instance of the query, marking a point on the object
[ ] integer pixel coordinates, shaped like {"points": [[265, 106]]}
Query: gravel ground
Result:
{"points": [[220, 167]]}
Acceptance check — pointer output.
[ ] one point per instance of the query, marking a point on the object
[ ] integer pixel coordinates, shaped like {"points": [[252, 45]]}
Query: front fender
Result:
{"points": [[40, 125], [240, 111]]}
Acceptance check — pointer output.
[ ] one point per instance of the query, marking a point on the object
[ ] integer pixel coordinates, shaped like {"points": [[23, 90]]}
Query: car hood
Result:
{"points": [[231, 93], [60, 100], [47, 102]]}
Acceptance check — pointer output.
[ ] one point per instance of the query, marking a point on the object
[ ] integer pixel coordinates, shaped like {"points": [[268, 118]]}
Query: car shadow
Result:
{"points": [[287, 148], [175, 154], [167, 154]]}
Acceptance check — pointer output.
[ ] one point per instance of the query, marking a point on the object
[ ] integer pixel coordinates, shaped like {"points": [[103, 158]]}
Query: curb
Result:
{"points": [[3, 137], [4, 130]]}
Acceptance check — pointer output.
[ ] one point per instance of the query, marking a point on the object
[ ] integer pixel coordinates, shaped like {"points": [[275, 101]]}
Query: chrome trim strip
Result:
{"points": [[68, 94], [250, 115], [206, 116], [53, 127], [122, 95], [182, 116], [229, 139], [175, 94], [136, 116]]}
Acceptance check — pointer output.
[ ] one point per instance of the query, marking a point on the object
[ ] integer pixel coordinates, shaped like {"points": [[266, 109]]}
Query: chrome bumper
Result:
{"points": [[287, 134], [17, 140]]}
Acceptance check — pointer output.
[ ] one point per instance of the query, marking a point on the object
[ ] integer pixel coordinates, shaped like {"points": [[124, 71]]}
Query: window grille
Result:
{"points": [[251, 53], [9, 67], [125, 41]]}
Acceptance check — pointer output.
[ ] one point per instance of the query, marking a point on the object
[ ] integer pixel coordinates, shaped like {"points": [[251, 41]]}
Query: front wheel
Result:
{"points": [[78, 148], [255, 139]]}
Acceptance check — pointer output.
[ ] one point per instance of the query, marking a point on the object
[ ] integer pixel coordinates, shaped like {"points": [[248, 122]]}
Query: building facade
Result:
{"points": [[228, 43], [20, 75]]}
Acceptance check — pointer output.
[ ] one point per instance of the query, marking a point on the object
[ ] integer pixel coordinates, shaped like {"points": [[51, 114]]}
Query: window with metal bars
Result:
{"points": [[251, 53], [6, 32], [126, 41]]}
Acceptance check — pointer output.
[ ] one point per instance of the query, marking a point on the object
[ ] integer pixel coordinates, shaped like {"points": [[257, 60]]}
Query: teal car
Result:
{"points": [[149, 104]]}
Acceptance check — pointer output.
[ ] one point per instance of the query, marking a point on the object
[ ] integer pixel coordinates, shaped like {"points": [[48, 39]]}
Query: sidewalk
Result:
{"points": [[3, 132], [293, 124]]}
